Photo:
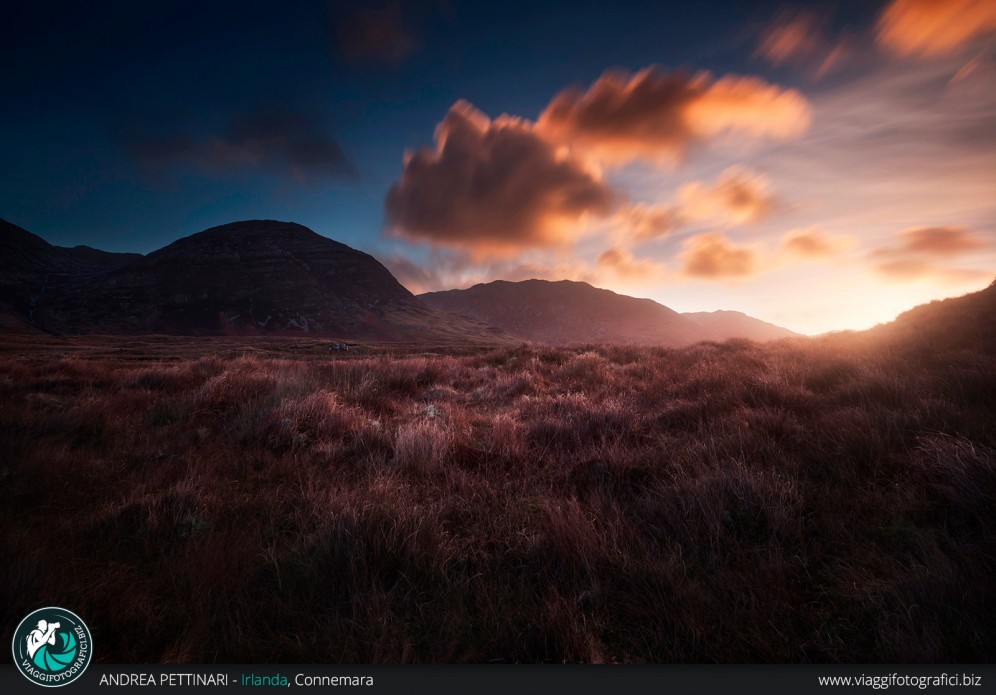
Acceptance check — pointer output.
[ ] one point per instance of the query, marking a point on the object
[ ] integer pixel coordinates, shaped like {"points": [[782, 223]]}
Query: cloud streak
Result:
{"points": [[623, 265], [643, 222], [713, 256], [941, 241], [921, 252], [738, 196], [659, 116], [799, 38], [288, 143], [374, 36], [811, 244], [934, 27]]}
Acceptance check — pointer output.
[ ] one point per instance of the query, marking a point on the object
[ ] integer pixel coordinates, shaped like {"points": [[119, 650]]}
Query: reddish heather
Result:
{"points": [[241, 501]]}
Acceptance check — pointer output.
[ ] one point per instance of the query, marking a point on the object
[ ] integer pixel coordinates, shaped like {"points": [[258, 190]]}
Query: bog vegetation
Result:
{"points": [[799, 501]]}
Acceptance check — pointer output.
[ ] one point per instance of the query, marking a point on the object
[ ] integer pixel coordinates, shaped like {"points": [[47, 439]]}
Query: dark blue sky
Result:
{"points": [[112, 112]]}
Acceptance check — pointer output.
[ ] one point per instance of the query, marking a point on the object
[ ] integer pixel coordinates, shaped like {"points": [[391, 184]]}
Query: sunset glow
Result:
{"points": [[795, 204], [819, 168]]}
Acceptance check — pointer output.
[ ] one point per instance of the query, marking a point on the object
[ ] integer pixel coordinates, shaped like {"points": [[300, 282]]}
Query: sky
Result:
{"points": [[819, 165]]}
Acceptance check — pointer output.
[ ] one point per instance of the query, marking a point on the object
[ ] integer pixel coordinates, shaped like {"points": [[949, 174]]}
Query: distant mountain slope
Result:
{"points": [[243, 278], [24, 252], [30, 268], [722, 325], [566, 312], [966, 322]]}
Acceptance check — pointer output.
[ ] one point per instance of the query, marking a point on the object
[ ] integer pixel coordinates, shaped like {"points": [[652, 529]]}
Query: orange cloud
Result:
{"points": [[714, 256], [749, 106], [644, 222], [910, 269], [915, 255], [791, 38], [621, 262], [942, 241], [493, 187], [736, 197], [966, 70], [934, 27], [655, 115], [905, 268], [811, 244], [798, 38]]}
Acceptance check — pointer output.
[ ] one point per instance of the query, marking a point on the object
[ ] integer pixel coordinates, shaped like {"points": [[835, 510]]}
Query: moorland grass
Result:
{"points": [[802, 501]]}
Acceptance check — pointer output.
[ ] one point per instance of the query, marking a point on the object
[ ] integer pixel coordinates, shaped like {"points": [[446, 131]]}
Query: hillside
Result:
{"points": [[722, 325], [259, 277], [567, 312], [31, 268], [966, 322]]}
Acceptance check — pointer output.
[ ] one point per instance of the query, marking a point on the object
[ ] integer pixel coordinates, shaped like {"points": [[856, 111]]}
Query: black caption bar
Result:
{"points": [[523, 679]]}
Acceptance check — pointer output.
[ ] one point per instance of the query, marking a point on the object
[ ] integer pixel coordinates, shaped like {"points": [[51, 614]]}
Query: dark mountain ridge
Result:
{"points": [[567, 312], [32, 268], [24, 252], [259, 277]]}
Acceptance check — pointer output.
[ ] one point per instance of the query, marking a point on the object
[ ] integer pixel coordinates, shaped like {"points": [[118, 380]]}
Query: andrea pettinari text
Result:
{"points": [[277, 680]]}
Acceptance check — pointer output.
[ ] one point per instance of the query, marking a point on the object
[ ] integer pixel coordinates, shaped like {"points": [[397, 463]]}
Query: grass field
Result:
{"points": [[200, 500]]}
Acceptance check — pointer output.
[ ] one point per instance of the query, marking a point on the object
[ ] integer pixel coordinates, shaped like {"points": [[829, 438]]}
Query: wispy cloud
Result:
{"points": [[714, 256], [281, 141], [373, 35], [812, 244], [643, 221], [934, 27], [939, 241], [621, 263], [800, 38], [658, 116], [737, 196], [925, 251]]}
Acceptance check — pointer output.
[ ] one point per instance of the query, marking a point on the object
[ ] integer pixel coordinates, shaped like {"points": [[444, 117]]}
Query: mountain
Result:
{"points": [[568, 312], [244, 278], [31, 268], [722, 325], [23, 254]]}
